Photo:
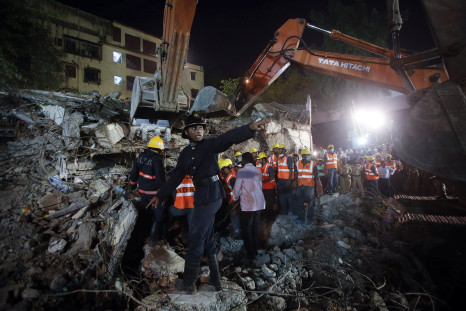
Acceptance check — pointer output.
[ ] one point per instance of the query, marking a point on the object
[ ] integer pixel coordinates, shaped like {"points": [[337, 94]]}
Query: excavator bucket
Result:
{"points": [[213, 103]]}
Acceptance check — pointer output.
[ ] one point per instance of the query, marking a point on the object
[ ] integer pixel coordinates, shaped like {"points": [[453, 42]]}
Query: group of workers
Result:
{"points": [[250, 185]]}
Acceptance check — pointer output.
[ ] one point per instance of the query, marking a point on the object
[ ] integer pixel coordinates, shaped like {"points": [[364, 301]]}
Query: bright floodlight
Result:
{"points": [[372, 119], [362, 141]]}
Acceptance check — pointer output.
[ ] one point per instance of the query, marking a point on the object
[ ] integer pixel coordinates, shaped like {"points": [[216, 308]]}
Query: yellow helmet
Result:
{"points": [[364, 157], [276, 146], [226, 162], [220, 161], [253, 150], [388, 156], [262, 155], [330, 146], [238, 154], [305, 151], [378, 155], [371, 158], [155, 142], [271, 148], [282, 146]]}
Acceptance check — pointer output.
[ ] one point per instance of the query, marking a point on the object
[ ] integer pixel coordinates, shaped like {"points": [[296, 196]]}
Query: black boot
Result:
{"points": [[188, 284], [155, 233], [214, 277]]}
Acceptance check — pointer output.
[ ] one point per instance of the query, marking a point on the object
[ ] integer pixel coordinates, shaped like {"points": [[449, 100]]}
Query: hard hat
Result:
{"points": [[388, 155], [192, 120], [378, 155], [330, 146], [220, 161], [364, 157], [253, 150], [271, 148], [371, 158], [282, 146], [305, 151], [276, 146], [238, 154], [262, 155], [155, 142], [226, 162]]}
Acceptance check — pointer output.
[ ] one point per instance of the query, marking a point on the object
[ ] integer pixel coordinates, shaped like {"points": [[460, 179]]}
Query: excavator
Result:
{"points": [[431, 135]]}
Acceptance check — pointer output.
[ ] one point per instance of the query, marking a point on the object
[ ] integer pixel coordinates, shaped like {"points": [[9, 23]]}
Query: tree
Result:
{"points": [[356, 20], [29, 57], [228, 86]]}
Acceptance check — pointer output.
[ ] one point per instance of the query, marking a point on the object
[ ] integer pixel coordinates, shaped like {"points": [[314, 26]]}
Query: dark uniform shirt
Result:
{"points": [[148, 171], [201, 162]]}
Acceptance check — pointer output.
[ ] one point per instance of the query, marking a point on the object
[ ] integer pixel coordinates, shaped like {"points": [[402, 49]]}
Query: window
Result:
{"points": [[58, 41], [116, 34], [132, 42], [117, 80], [133, 62], [70, 71], [116, 57], [148, 47], [92, 75], [129, 83], [194, 93], [82, 48], [150, 66], [193, 76]]}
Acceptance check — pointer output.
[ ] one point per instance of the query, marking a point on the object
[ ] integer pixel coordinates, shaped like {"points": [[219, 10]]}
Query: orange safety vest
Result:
{"points": [[306, 173], [265, 175], [368, 172], [273, 160], [283, 170], [185, 194], [229, 188], [332, 161], [392, 164], [378, 163], [258, 163]]}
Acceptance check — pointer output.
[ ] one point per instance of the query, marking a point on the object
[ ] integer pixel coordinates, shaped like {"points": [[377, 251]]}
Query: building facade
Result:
{"points": [[106, 56]]}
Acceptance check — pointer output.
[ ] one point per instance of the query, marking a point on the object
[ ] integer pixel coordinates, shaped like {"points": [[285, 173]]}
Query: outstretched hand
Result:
{"points": [[259, 125], [154, 202]]}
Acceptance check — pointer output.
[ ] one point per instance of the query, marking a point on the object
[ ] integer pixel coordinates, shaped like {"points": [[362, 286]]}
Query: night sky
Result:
{"points": [[227, 36]]}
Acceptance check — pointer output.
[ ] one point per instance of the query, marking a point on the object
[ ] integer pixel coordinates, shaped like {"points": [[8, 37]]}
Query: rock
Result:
{"points": [[377, 302], [248, 283], [56, 245], [53, 201], [268, 273], [262, 259], [87, 233], [59, 283], [30, 293], [161, 261], [272, 303]]}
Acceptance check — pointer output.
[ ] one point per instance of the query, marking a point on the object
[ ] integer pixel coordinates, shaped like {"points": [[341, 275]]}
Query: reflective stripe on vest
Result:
{"points": [[148, 192], [258, 163], [368, 172], [185, 194], [283, 170], [378, 163], [146, 176], [305, 173], [229, 188], [273, 160], [332, 161], [265, 175]]}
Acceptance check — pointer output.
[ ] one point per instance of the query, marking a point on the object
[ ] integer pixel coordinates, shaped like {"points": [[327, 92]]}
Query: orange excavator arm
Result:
{"points": [[283, 50]]}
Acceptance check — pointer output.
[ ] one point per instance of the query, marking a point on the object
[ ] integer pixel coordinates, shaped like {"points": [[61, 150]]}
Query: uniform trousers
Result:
{"points": [[357, 185], [305, 194], [285, 194], [201, 232], [332, 183], [269, 195], [250, 223]]}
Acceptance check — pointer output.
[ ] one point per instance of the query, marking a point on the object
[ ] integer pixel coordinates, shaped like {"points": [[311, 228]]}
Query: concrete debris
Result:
{"points": [[161, 262]]}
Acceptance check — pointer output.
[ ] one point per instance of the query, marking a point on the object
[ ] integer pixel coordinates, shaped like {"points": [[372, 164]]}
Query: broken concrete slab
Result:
{"points": [[109, 134], [87, 233], [53, 201], [161, 261]]}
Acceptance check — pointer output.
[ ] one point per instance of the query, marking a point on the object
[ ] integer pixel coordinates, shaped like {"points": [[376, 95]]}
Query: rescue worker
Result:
{"points": [[268, 186], [184, 200], [273, 159], [238, 159], [345, 180], [285, 180], [331, 166], [378, 160], [199, 160], [229, 183], [356, 175], [255, 153], [148, 172], [394, 165], [371, 175], [384, 179], [308, 177]]}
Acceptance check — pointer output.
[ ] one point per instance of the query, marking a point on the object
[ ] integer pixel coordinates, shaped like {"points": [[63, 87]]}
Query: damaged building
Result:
{"points": [[70, 225]]}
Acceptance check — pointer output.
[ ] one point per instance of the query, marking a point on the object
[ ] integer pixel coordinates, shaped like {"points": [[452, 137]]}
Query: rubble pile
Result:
{"points": [[68, 220]]}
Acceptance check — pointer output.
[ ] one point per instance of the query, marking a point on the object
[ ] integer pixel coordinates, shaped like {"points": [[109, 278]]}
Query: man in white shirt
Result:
{"points": [[248, 189], [384, 182]]}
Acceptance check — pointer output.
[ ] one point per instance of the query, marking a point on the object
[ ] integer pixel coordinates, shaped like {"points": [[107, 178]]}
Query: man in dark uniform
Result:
{"points": [[148, 171], [199, 160]]}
